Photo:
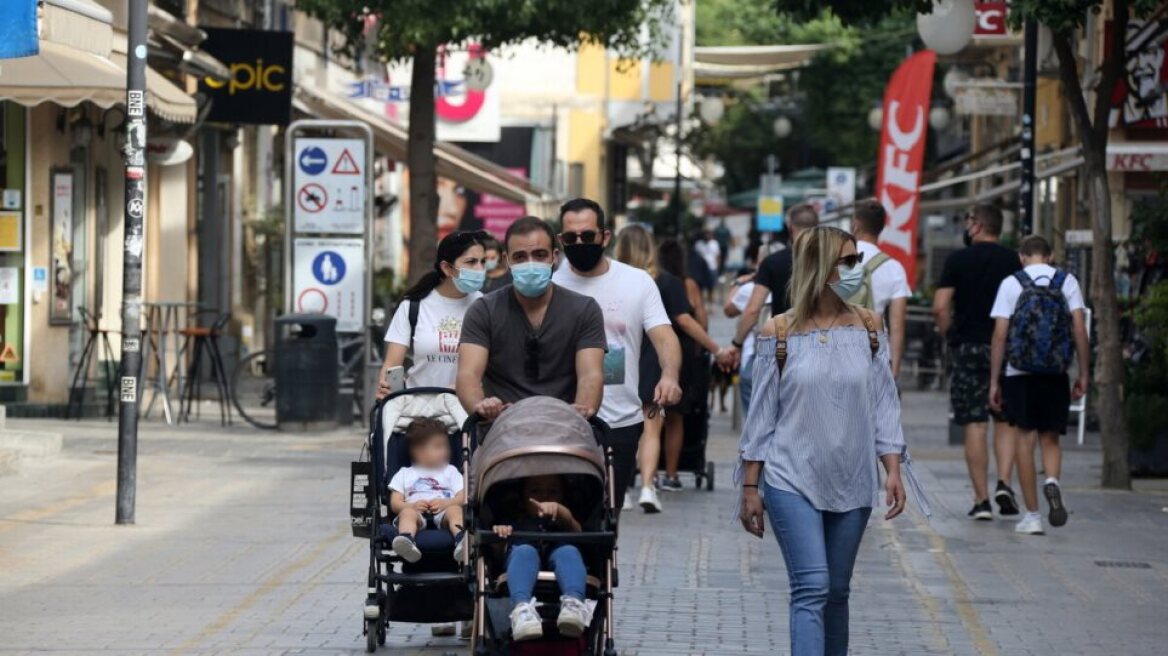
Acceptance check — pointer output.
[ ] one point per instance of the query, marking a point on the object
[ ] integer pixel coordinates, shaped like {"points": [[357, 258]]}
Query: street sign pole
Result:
{"points": [[132, 253], [1029, 83]]}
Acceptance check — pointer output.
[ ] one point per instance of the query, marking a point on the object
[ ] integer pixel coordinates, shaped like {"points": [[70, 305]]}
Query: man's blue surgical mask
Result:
{"points": [[531, 278], [469, 281], [850, 281]]}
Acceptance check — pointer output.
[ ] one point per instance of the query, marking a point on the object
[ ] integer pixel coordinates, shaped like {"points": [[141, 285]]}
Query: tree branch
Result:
{"points": [[1069, 75]]}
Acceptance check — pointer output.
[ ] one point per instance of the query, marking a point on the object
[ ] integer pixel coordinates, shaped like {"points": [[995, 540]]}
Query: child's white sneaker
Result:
{"points": [[403, 545], [525, 622], [574, 617]]}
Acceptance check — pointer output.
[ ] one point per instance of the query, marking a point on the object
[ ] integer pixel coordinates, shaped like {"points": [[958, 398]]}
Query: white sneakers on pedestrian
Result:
{"points": [[525, 622], [574, 617], [628, 502], [649, 501], [1031, 524]]}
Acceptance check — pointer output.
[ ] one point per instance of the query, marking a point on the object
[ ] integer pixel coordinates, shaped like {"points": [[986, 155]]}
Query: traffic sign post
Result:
{"points": [[327, 253]]}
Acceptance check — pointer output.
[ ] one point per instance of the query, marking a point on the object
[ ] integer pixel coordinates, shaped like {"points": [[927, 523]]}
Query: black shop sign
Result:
{"points": [[260, 87]]}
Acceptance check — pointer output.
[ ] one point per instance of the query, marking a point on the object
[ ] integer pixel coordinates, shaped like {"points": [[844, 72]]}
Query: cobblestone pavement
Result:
{"points": [[241, 547]]}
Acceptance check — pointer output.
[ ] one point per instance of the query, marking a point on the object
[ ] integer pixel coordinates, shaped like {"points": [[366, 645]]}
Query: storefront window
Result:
{"points": [[12, 245]]}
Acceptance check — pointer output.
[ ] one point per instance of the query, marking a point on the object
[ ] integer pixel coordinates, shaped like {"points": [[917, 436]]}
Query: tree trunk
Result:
{"points": [[421, 164], [1092, 130]]}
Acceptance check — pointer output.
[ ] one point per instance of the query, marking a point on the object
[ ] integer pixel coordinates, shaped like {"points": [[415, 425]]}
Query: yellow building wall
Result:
{"points": [[625, 79], [585, 136], [1049, 114], [662, 85], [590, 68]]}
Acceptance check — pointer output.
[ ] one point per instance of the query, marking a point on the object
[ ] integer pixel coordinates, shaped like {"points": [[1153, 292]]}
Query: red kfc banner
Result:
{"points": [[902, 152]]}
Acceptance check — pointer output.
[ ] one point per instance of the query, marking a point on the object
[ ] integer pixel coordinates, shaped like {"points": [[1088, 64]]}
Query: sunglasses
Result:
{"points": [[851, 261], [531, 361], [582, 237]]}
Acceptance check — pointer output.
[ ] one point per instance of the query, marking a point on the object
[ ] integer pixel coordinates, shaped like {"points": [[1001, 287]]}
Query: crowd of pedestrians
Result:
{"points": [[625, 338]]}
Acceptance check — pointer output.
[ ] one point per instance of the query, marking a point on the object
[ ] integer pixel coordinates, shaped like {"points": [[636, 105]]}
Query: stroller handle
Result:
{"points": [[600, 429], [606, 538]]}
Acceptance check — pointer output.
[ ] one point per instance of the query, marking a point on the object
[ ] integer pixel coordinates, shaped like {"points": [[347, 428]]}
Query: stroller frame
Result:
{"points": [[601, 634], [385, 584]]}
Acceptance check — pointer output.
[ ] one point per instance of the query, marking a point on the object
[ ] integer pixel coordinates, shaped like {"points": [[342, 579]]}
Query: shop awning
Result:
{"points": [[79, 24], [713, 64], [163, 97], [392, 139], [62, 75]]}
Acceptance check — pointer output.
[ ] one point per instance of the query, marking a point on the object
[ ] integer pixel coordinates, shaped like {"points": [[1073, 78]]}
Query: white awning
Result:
{"points": [[392, 139], [724, 63], [62, 75], [80, 24], [163, 97]]}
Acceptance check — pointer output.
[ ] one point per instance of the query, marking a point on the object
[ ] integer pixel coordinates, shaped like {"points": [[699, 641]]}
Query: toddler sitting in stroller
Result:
{"points": [[429, 492], [543, 510]]}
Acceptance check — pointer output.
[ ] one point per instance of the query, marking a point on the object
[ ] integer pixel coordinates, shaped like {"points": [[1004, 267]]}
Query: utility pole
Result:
{"points": [[1029, 82], [135, 160], [678, 212]]}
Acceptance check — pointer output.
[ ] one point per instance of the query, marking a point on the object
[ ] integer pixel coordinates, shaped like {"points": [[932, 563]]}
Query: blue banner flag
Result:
{"points": [[18, 29]]}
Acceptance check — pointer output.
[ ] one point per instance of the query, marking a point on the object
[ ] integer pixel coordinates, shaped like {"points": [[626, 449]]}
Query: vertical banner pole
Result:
{"points": [[132, 254]]}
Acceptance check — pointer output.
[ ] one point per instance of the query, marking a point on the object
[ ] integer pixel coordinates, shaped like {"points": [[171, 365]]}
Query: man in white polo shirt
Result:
{"points": [[885, 283], [632, 307]]}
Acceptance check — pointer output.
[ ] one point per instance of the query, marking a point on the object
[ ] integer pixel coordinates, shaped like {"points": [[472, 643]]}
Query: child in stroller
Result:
{"points": [[429, 492], [543, 510]]}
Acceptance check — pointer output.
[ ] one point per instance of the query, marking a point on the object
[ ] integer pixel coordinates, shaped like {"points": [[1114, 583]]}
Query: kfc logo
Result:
{"points": [[991, 19]]}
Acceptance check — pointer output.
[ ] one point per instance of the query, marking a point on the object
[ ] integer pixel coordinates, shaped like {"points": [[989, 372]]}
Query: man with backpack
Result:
{"points": [[885, 285], [1039, 327]]}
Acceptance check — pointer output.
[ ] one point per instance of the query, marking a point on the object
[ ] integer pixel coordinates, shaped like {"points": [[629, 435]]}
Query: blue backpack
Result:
{"points": [[1039, 340]]}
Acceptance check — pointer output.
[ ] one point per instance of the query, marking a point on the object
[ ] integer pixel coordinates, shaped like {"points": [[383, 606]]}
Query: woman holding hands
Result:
{"points": [[825, 412]]}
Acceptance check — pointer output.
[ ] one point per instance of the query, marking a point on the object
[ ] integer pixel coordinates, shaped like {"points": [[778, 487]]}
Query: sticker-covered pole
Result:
{"points": [[132, 262]]}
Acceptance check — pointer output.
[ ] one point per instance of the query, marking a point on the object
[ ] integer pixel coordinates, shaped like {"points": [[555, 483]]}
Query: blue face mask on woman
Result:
{"points": [[850, 281], [531, 278], [469, 281]]}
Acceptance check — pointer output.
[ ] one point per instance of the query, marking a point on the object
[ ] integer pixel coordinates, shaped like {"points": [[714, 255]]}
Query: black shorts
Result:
{"points": [[624, 443], [1037, 402]]}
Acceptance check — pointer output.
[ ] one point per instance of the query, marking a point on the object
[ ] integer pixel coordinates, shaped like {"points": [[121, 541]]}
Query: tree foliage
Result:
{"points": [[851, 12]]}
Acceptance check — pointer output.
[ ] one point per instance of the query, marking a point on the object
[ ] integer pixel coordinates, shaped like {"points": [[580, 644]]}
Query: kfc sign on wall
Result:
{"points": [[991, 19]]}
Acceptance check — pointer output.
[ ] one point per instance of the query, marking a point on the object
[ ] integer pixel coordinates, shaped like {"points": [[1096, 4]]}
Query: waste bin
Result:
{"points": [[306, 372]]}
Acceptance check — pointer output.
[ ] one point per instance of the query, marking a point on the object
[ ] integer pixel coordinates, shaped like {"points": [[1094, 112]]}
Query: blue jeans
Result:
{"points": [[523, 568], [746, 382], [820, 550]]}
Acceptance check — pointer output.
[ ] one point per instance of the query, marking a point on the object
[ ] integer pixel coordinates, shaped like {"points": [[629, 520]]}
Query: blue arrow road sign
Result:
{"points": [[328, 267], [313, 160]]}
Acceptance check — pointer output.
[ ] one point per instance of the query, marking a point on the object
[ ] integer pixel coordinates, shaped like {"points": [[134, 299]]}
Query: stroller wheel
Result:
{"points": [[382, 629], [371, 630]]}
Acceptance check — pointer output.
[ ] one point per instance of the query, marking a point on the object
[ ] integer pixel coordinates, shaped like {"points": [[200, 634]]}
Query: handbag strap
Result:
{"points": [[781, 336]]}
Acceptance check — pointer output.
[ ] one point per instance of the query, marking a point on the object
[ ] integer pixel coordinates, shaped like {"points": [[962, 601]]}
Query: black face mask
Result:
{"points": [[967, 238], [584, 257]]}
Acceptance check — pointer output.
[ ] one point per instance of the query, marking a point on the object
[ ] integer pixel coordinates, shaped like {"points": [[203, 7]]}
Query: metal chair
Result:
{"points": [[206, 339], [81, 378]]}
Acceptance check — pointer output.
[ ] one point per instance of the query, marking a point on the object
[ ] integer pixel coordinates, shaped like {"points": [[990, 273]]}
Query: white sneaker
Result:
{"points": [[649, 501], [574, 617], [525, 622], [1031, 524], [403, 545], [628, 503]]}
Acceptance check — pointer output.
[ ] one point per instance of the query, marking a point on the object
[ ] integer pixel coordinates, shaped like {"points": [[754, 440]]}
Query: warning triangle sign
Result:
{"points": [[9, 354], [346, 165]]}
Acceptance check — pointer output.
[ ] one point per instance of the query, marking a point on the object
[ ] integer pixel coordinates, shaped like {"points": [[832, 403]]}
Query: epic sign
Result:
{"points": [[902, 152], [260, 87]]}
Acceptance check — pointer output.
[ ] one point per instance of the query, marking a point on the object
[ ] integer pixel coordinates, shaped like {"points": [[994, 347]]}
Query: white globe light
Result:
{"points": [[954, 79], [711, 110], [939, 118], [782, 127], [949, 27], [876, 118]]}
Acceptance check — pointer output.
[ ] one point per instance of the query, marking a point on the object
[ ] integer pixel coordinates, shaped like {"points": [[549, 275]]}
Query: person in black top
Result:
{"points": [[773, 275], [965, 293]]}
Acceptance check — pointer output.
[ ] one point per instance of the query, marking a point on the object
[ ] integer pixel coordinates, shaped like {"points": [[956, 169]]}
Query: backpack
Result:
{"points": [[864, 297], [1039, 340], [781, 337], [413, 311]]}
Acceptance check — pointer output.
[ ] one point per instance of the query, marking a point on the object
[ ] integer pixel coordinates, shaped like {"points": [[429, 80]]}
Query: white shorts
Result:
{"points": [[431, 521]]}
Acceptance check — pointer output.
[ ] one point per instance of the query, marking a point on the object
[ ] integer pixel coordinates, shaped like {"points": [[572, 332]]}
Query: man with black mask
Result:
{"points": [[632, 308]]}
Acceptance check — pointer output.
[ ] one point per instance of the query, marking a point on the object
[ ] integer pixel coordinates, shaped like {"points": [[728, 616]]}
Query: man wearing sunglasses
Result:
{"points": [[532, 337], [632, 308]]}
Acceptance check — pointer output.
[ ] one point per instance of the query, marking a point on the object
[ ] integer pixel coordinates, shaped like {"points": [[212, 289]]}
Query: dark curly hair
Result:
{"points": [[421, 429]]}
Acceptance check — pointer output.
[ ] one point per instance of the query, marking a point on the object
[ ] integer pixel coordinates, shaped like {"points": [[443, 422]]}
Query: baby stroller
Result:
{"points": [[536, 437], [436, 588]]}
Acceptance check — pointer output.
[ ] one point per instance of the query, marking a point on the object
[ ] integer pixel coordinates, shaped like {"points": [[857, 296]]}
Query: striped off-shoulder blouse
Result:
{"points": [[821, 427]]}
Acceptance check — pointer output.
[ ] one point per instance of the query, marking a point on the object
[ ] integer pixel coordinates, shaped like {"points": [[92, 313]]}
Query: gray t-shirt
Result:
{"points": [[497, 323]]}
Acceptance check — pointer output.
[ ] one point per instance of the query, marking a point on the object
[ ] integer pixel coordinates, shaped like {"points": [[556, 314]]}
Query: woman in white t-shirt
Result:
{"points": [[442, 297]]}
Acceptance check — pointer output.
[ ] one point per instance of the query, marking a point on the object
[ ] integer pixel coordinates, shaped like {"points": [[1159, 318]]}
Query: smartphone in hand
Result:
{"points": [[396, 378]]}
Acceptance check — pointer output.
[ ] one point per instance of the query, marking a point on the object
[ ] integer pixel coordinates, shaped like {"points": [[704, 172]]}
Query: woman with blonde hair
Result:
{"points": [[825, 411], [635, 247]]}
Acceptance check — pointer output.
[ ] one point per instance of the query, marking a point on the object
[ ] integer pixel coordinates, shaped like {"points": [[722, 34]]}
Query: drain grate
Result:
{"points": [[1123, 564]]}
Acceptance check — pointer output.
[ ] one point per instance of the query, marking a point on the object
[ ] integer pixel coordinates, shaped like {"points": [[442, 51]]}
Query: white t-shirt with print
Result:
{"points": [[435, 352], [632, 306], [421, 484], [740, 300], [1010, 290], [889, 280]]}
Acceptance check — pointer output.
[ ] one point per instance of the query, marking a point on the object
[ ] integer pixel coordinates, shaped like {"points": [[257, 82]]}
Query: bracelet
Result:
{"points": [[736, 345]]}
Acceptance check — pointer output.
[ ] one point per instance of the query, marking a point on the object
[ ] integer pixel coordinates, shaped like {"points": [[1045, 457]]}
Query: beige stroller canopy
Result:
{"points": [[535, 437]]}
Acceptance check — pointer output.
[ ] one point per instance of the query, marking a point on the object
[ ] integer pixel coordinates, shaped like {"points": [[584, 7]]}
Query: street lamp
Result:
{"points": [[876, 117], [711, 109], [949, 27], [939, 117], [781, 127]]}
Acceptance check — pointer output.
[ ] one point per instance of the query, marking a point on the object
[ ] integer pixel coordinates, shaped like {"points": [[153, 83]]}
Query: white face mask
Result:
{"points": [[850, 281]]}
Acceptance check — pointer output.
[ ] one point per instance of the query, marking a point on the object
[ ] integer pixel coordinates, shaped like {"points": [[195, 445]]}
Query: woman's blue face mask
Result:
{"points": [[469, 281]]}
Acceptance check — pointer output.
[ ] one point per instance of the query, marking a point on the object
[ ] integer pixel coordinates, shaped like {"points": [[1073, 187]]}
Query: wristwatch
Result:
{"points": [[736, 344]]}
